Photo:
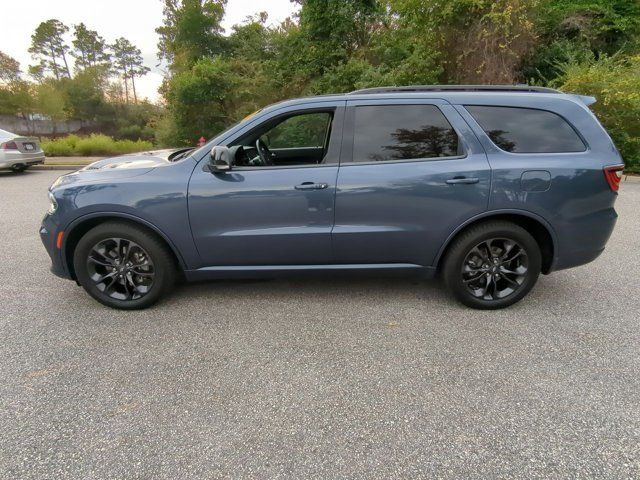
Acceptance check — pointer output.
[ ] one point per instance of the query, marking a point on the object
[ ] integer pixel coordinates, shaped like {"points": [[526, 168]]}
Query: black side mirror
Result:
{"points": [[221, 159]]}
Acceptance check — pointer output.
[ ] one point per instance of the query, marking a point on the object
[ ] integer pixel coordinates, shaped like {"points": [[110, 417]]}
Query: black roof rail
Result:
{"points": [[456, 88]]}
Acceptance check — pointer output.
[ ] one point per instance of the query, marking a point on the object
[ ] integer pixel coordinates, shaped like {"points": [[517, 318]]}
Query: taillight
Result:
{"points": [[9, 146], [613, 174]]}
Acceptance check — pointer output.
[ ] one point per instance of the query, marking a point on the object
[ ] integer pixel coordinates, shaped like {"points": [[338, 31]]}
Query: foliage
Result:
{"points": [[127, 61], [92, 145], [191, 30], [48, 46], [615, 82], [9, 68], [90, 49]]}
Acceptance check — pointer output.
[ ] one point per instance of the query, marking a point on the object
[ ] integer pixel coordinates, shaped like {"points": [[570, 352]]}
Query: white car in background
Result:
{"points": [[19, 153]]}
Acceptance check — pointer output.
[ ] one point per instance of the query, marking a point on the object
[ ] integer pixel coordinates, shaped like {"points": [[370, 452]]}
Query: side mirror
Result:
{"points": [[221, 159]]}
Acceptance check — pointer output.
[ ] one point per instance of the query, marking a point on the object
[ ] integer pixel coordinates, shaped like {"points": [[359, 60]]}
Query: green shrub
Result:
{"points": [[136, 132], [93, 145], [615, 82]]}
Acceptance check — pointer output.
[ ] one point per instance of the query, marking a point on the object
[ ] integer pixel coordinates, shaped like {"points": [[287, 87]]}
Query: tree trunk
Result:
{"points": [[66, 65], [126, 86], [55, 64], [133, 84]]}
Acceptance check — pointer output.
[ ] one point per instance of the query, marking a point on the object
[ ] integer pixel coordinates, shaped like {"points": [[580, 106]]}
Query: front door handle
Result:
{"points": [[311, 186], [465, 180]]}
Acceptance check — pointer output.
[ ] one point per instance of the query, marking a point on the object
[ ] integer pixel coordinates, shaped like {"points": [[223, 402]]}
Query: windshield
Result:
{"points": [[5, 134]]}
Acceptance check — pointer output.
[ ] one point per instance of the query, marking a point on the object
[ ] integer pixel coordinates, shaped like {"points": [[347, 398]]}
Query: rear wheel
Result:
{"points": [[492, 265], [124, 266], [19, 168]]}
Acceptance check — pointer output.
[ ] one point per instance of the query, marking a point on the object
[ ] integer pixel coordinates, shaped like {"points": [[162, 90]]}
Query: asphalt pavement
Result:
{"points": [[322, 378]]}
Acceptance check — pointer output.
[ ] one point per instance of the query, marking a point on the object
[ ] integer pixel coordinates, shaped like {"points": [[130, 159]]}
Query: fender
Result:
{"points": [[493, 213], [111, 214]]}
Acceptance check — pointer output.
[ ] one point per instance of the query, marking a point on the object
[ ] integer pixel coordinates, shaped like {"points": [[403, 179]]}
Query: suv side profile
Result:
{"points": [[488, 185]]}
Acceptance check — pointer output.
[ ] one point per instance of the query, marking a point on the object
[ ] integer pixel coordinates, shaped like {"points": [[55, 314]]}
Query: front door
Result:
{"points": [[276, 205], [411, 172]]}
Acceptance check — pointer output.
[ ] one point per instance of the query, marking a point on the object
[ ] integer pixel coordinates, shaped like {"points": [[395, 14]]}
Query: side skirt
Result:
{"points": [[275, 271]]}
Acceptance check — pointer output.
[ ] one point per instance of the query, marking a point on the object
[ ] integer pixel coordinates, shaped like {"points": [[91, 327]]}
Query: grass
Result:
{"points": [[93, 145]]}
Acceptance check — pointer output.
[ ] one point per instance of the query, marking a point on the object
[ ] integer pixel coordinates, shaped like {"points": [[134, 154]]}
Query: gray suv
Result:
{"points": [[488, 186]]}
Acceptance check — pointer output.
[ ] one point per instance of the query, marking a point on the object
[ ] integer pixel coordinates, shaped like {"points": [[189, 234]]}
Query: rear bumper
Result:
{"points": [[583, 241], [30, 160]]}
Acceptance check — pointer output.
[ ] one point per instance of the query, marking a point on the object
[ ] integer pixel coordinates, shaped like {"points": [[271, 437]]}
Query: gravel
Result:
{"points": [[322, 378]]}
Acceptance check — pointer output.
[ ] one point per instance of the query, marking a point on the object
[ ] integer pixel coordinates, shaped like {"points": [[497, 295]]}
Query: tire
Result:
{"points": [[19, 168], [492, 248], [141, 274]]}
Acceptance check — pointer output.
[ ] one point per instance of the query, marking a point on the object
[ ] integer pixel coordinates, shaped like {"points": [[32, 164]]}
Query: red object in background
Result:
{"points": [[202, 141]]}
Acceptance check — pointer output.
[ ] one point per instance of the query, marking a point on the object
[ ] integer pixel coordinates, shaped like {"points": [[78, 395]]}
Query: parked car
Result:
{"points": [[19, 153], [488, 186]]}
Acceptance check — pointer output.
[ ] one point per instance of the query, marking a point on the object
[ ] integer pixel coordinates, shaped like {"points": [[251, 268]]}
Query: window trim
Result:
{"points": [[585, 144], [349, 131]]}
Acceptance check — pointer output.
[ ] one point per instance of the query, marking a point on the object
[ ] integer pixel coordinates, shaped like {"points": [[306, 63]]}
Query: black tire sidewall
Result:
{"points": [[162, 261], [461, 247]]}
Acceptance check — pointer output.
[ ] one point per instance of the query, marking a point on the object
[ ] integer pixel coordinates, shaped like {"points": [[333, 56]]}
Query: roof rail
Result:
{"points": [[457, 88]]}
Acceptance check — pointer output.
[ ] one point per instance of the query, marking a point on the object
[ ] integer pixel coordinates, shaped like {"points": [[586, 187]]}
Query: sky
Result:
{"points": [[135, 20]]}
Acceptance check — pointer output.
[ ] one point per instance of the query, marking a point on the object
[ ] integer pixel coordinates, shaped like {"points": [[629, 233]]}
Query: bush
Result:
{"points": [[615, 82], [95, 144], [136, 132]]}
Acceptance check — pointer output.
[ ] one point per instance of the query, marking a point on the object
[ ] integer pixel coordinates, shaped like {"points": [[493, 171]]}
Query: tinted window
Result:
{"points": [[525, 130], [402, 132]]}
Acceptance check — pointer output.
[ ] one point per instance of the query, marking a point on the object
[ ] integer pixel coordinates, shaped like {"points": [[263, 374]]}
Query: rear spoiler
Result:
{"points": [[586, 99]]}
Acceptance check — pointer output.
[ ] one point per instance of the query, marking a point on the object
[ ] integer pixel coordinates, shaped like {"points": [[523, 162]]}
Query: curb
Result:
{"points": [[56, 167]]}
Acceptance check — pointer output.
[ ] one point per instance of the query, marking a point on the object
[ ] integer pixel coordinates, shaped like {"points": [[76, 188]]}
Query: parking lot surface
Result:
{"points": [[322, 378]]}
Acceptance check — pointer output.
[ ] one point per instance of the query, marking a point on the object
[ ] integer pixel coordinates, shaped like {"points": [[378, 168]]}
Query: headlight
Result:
{"points": [[53, 204]]}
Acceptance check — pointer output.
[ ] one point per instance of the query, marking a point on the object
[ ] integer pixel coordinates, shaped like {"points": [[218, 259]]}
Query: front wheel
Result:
{"points": [[124, 266], [492, 265]]}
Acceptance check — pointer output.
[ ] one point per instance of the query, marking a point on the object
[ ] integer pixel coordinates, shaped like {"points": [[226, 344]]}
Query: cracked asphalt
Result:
{"points": [[322, 378]]}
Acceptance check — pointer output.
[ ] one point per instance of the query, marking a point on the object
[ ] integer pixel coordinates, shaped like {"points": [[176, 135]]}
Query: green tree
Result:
{"points": [[191, 30], [49, 48], [90, 49], [572, 31], [128, 63], [9, 69]]}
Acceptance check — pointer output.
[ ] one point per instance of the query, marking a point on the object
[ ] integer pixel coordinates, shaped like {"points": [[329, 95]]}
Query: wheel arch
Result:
{"points": [[76, 229], [538, 227]]}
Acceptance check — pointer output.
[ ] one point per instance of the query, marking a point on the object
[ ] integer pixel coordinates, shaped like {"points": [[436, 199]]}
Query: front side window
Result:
{"points": [[402, 132], [298, 139], [526, 130], [300, 131]]}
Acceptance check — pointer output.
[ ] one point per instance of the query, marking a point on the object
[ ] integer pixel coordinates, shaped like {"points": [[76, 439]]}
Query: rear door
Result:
{"points": [[411, 172]]}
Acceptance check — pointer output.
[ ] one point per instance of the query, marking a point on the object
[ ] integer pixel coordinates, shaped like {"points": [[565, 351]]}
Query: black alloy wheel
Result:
{"points": [[121, 269], [495, 268], [492, 265], [123, 265]]}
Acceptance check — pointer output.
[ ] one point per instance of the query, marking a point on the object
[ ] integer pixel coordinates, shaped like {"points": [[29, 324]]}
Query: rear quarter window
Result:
{"points": [[527, 130]]}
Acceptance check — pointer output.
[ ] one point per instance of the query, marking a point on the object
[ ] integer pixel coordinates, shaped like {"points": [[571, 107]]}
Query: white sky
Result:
{"points": [[135, 20]]}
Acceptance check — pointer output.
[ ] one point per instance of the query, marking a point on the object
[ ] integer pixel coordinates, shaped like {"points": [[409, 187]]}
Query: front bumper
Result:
{"points": [[48, 235]]}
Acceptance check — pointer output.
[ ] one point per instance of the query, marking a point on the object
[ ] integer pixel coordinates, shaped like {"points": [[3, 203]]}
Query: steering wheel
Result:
{"points": [[263, 152]]}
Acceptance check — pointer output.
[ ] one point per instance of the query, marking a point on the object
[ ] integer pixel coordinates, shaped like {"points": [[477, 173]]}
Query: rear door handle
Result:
{"points": [[465, 180], [311, 186]]}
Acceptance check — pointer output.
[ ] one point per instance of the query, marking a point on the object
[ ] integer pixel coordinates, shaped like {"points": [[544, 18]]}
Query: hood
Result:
{"points": [[124, 166], [144, 160]]}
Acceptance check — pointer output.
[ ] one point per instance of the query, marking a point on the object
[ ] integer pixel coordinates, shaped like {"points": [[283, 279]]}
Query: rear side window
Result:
{"points": [[402, 132], [527, 130]]}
